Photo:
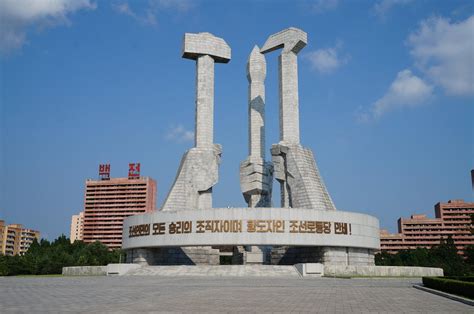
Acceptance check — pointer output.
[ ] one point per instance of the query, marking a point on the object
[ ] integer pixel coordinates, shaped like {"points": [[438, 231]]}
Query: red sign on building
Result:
{"points": [[104, 171], [134, 171]]}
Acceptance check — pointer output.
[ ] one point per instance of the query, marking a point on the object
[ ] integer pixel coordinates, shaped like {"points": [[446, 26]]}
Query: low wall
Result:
{"points": [[310, 269], [121, 269], [85, 271], [381, 271]]}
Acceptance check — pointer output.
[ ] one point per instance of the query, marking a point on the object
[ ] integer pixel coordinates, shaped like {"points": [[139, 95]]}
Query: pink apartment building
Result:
{"points": [[108, 202], [452, 219]]}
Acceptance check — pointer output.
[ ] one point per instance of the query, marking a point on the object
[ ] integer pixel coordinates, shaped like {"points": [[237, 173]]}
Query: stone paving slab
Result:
{"points": [[142, 294]]}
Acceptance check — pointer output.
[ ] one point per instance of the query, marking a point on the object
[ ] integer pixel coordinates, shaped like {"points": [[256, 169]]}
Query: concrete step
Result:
{"points": [[218, 271]]}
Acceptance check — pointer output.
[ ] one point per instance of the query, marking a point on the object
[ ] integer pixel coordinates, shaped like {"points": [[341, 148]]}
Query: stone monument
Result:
{"points": [[199, 168], [294, 165], [256, 173], [307, 228]]}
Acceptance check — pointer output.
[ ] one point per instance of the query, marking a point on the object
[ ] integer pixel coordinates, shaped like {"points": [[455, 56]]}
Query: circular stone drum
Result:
{"points": [[251, 226]]}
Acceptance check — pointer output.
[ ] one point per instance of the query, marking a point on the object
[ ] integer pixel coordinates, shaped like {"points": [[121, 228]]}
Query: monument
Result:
{"points": [[306, 227], [295, 167], [198, 171], [256, 173]]}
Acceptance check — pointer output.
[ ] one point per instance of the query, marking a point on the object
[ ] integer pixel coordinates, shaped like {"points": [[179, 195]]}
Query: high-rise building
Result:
{"points": [[452, 219], [108, 201], [14, 239], [77, 227]]}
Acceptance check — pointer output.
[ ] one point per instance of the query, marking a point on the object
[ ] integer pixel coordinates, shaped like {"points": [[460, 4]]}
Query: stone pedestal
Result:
{"points": [[199, 255], [143, 257], [342, 256], [287, 255], [348, 256], [257, 255]]}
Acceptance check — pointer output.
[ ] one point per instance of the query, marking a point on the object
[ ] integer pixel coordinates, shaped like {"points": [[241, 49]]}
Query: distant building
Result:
{"points": [[16, 240], [77, 227], [109, 200], [452, 219]]}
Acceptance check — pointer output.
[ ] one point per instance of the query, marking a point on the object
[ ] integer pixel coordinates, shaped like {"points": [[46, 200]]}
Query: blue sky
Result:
{"points": [[386, 99]]}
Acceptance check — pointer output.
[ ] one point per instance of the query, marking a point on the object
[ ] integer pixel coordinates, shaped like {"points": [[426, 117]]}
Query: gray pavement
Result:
{"points": [[217, 294]]}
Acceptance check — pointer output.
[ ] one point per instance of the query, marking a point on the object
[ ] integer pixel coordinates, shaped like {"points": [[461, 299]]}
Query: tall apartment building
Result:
{"points": [[109, 201], [452, 219], [77, 227], [16, 240]]}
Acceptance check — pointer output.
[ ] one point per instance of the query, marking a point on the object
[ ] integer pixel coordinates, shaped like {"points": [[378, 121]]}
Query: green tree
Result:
{"points": [[443, 255], [446, 256], [46, 257], [3, 265], [469, 253]]}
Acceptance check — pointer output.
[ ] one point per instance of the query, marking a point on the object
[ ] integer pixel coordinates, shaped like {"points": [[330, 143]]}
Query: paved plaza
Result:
{"points": [[140, 294]]}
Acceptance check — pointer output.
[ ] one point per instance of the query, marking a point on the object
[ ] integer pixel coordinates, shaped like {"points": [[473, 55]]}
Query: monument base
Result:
{"points": [[344, 256], [247, 255], [348, 256], [240, 236], [199, 255]]}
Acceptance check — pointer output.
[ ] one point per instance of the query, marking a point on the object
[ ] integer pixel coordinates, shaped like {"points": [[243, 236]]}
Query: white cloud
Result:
{"points": [[321, 6], [179, 5], [149, 15], [148, 18], [327, 60], [17, 15], [407, 90], [444, 52], [179, 134], [381, 8]]}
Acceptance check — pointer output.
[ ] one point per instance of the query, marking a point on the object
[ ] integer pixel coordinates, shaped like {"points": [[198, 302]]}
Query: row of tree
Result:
{"points": [[443, 256], [46, 257]]}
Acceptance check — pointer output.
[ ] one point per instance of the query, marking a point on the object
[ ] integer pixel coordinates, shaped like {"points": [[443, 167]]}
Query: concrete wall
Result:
{"points": [[285, 255], [121, 269], [85, 271], [174, 256], [348, 256], [381, 271]]}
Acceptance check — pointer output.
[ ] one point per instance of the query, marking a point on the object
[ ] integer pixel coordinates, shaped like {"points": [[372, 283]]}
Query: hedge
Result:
{"points": [[461, 278], [458, 287]]}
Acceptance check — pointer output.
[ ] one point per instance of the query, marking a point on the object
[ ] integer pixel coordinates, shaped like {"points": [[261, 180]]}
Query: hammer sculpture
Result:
{"points": [[199, 169]]}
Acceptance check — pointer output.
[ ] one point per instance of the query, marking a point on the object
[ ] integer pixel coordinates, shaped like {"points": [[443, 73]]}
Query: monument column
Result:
{"points": [[256, 72], [255, 172], [289, 107], [204, 130], [292, 40]]}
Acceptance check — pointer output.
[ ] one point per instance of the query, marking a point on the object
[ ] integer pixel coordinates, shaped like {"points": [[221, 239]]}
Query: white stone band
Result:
{"points": [[251, 226]]}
